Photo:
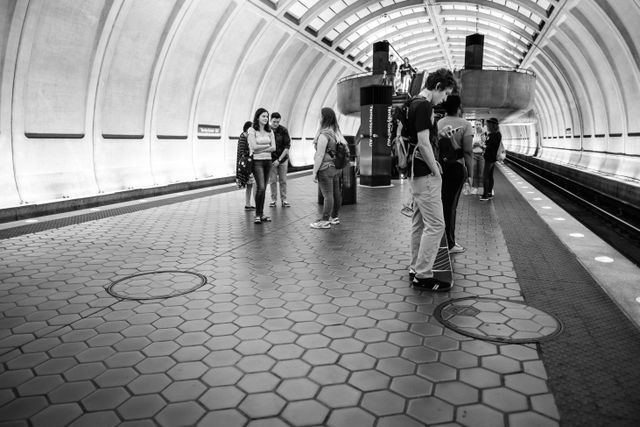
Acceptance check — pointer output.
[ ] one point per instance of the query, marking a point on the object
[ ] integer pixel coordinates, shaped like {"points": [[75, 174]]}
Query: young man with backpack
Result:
{"points": [[426, 182]]}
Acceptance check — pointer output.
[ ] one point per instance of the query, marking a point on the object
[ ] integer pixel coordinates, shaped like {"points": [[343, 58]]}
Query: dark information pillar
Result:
{"points": [[375, 145], [380, 57], [473, 51]]}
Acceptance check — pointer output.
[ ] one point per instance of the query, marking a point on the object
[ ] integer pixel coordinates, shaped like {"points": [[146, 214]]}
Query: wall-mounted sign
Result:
{"points": [[209, 132]]}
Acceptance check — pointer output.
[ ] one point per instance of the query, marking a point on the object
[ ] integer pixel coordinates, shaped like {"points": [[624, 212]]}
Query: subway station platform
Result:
{"points": [[179, 311]]}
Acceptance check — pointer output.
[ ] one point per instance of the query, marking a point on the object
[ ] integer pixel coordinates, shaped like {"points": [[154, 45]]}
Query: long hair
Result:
{"points": [[329, 120], [256, 120], [246, 126]]}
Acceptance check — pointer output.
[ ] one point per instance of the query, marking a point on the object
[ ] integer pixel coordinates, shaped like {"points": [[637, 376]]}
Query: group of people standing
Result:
{"points": [[406, 71], [436, 182], [263, 157]]}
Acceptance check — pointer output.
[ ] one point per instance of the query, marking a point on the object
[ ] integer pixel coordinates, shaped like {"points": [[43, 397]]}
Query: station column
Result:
{"points": [[375, 144]]}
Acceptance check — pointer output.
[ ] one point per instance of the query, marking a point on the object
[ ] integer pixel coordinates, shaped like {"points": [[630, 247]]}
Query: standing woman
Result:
{"points": [[262, 143], [492, 151], [324, 170], [244, 168]]}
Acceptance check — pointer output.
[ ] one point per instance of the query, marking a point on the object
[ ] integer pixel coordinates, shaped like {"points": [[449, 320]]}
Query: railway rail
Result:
{"points": [[615, 221]]}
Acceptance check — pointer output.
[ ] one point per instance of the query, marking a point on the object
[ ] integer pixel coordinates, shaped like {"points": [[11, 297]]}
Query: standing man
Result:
{"points": [[280, 164], [426, 181]]}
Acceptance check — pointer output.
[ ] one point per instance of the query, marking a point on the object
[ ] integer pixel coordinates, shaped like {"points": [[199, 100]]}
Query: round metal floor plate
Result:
{"points": [[156, 285], [493, 319]]}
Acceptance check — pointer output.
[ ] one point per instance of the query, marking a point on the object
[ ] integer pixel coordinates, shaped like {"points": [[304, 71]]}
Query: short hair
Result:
{"points": [[452, 105], [443, 77], [246, 126], [275, 115], [256, 119]]}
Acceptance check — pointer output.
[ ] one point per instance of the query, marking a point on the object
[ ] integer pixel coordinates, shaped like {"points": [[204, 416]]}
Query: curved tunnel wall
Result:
{"points": [[101, 96], [588, 86]]}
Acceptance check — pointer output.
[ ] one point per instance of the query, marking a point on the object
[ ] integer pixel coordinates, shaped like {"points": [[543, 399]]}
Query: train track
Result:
{"points": [[614, 221]]}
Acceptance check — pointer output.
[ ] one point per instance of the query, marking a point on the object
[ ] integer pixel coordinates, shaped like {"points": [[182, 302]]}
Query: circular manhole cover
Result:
{"points": [[499, 320], [156, 285]]}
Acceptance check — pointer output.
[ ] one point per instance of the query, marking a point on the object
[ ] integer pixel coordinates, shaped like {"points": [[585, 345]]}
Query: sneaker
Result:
{"points": [[286, 204], [334, 221], [456, 249], [257, 220], [485, 198], [431, 284], [272, 204], [249, 208], [265, 218], [412, 275], [320, 224], [406, 211]]}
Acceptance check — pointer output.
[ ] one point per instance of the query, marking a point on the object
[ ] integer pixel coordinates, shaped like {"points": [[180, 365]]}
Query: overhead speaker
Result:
{"points": [[473, 51]]}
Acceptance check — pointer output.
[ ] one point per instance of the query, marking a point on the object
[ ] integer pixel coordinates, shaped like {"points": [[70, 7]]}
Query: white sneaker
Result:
{"points": [[320, 224], [334, 221], [456, 249]]}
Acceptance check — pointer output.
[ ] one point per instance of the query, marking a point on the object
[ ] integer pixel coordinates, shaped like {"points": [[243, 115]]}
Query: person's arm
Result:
{"points": [[467, 150], [321, 148], [287, 145], [427, 152], [253, 144]]}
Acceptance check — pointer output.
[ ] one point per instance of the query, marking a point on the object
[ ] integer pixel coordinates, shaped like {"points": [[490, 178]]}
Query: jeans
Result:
{"points": [[329, 182], [261, 169], [453, 176], [428, 224], [478, 166], [279, 176], [487, 178]]}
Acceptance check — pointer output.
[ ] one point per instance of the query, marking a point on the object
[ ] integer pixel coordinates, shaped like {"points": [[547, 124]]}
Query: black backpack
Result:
{"points": [[340, 155]]}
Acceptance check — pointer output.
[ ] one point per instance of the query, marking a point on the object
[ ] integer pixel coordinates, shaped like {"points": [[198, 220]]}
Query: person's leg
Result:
{"points": [[273, 185], [282, 179], [337, 193], [448, 190], [325, 181], [428, 200], [259, 176], [247, 195], [491, 170], [417, 226], [459, 175], [486, 178]]}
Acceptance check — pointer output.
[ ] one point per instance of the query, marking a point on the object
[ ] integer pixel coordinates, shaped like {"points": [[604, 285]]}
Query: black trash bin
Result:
{"points": [[348, 184]]}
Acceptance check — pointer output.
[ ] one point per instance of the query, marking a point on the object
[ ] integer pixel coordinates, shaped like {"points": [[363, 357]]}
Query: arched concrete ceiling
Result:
{"points": [[350, 27]]}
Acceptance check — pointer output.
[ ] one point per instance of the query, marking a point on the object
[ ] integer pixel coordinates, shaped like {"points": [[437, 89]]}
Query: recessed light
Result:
{"points": [[559, 219], [576, 235], [537, 198], [31, 220], [638, 300], [94, 209], [546, 207], [603, 259]]}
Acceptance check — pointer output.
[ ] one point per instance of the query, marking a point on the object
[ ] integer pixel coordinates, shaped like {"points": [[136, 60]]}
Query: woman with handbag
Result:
{"points": [[493, 152]]}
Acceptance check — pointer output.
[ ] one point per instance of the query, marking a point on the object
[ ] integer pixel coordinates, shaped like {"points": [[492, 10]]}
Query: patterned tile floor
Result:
{"points": [[294, 326]]}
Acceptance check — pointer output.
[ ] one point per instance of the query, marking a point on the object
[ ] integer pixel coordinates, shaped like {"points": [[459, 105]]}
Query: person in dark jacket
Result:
{"points": [[493, 151], [280, 164]]}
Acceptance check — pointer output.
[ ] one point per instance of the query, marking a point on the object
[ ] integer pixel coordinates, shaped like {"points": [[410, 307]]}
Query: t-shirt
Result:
{"points": [[421, 118], [458, 137], [283, 141]]}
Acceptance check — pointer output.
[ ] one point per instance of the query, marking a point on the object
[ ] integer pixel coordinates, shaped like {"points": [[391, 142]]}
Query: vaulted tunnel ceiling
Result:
{"points": [[431, 33]]}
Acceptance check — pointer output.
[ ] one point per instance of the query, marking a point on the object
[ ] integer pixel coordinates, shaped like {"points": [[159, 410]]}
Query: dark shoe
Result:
{"points": [[431, 284], [257, 220], [485, 198], [286, 204], [272, 204], [249, 208], [265, 218]]}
